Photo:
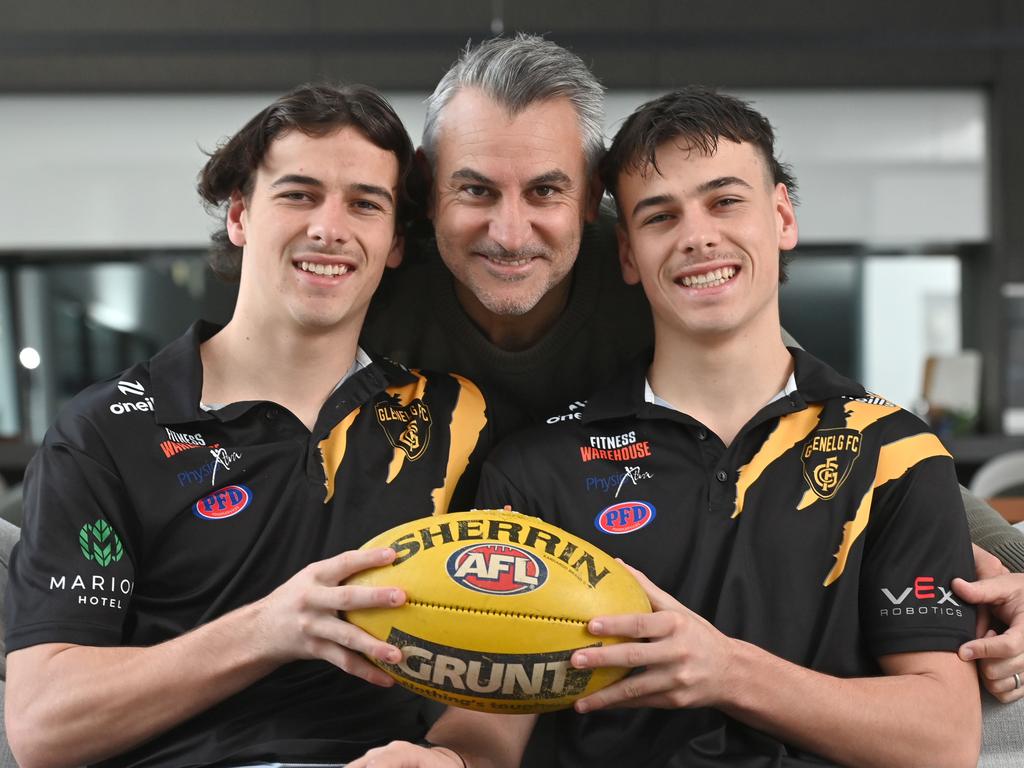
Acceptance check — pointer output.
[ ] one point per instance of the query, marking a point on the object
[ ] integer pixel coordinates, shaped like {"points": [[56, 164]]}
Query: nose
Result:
{"points": [[510, 224], [329, 223], [698, 233]]}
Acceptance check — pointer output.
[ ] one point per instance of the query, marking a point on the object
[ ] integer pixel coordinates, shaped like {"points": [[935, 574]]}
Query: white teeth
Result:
{"points": [[323, 269], [711, 279]]}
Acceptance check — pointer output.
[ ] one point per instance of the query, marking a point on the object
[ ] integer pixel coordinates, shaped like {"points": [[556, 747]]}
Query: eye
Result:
{"points": [[726, 202], [545, 191], [296, 196], [475, 190], [368, 206], [657, 218]]}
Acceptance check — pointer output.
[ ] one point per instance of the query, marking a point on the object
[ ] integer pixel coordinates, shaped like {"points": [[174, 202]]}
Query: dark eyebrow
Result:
{"points": [[551, 177], [721, 181], [468, 174], [373, 189], [651, 202], [294, 178], [708, 186]]}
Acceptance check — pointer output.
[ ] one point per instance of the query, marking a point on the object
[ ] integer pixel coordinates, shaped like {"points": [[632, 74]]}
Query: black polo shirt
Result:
{"points": [[146, 516], [827, 533]]}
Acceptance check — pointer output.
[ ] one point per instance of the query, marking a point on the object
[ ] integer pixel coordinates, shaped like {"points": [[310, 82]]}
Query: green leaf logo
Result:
{"points": [[99, 542]]}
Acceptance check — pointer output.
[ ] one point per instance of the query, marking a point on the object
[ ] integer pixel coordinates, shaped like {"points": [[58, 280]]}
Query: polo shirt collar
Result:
{"points": [[626, 394], [176, 380]]}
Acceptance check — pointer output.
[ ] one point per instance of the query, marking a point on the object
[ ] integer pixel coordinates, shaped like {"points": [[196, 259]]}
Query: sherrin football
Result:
{"points": [[496, 602]]}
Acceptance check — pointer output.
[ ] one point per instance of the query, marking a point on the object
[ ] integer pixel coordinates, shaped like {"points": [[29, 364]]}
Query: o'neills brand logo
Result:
{"points": [[178, 442], [222, 503], [497, 569], [99, 543], [489, 675], [132, 388], [575, 413], [617, 448], [407, 426], [922, 598], [588, 563], [828, 458]]}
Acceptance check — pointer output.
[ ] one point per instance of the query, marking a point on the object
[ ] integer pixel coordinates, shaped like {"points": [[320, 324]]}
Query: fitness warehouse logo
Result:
{"points": [[922, 598], [624, 447], [99, 544], [132, 389], [179, 442]]}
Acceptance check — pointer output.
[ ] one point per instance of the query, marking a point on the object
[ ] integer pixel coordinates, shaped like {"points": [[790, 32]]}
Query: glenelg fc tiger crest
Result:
{"points": [[407, 426], [828, 458]]}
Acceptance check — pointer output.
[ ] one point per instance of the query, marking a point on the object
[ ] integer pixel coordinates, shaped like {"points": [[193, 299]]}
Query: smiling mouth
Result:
{"points": [[711, 279], [328, 270]]}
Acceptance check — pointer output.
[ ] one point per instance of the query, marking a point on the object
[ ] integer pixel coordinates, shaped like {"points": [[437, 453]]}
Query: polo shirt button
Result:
{"points": [[271, 413], [702, 434], [722, 475]]}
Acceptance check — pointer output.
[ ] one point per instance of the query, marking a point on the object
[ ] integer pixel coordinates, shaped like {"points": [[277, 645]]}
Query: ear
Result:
{"points": [[396, 253], [595, 190], [627, 262], [427, 175], [788, 230], [235, 220]]}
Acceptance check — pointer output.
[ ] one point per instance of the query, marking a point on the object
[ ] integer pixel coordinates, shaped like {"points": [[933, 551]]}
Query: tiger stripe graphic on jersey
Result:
{"points": [[332, 451], [789, 431], [468, 421], [894, 461]]}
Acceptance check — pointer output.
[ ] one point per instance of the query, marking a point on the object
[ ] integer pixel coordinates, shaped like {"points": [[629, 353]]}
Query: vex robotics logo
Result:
{"points": [[100, 544], [407, 426], [497, 569], [828, 458], [926, 598]]}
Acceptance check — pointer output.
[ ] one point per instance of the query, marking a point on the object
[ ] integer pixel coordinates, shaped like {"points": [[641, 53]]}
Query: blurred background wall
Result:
{"points": [[901, 120]]}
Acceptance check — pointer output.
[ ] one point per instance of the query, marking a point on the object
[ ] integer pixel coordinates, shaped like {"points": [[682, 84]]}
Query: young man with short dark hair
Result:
{"points": [[177, 595], [799, 535]]}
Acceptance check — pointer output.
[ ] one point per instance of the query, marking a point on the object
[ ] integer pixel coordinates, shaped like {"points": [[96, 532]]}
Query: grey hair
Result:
{"points": [[516, 73]]}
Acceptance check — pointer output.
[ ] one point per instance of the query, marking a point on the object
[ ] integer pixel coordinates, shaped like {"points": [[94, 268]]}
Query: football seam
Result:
{"points": [[512, 614]]}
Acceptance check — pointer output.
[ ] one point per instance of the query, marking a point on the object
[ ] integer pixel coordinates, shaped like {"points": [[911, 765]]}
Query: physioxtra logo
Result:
{"points": [[497, 569]]}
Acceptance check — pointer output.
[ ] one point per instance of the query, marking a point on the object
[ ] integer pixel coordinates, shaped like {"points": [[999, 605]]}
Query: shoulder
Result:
{"points": [[108, 407]]}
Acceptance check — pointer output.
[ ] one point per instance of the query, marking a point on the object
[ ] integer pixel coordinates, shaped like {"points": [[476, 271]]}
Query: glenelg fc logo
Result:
{"points": [[497, 569], [828, 458]]}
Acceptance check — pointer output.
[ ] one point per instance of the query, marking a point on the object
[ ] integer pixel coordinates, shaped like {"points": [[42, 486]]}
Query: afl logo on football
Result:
{"points": [[222, 503], [497, 569], [624, 517]]}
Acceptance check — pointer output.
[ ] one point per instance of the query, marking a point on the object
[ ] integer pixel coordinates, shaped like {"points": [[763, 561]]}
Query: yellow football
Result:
{"points": [[496, 602]]}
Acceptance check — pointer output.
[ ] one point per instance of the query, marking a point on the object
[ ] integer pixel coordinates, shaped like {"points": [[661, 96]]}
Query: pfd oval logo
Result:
{"points": [[222, 503], [497, 569], [624, 517]]}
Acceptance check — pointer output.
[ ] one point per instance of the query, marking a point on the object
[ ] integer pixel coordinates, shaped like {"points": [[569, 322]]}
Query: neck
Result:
{"points": [[722, 380], [263, 360], [514, 333]]}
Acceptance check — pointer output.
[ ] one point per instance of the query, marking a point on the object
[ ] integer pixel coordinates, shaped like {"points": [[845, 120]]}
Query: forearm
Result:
{"points": [[69, 705], [889, 721], [483, 740]]}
